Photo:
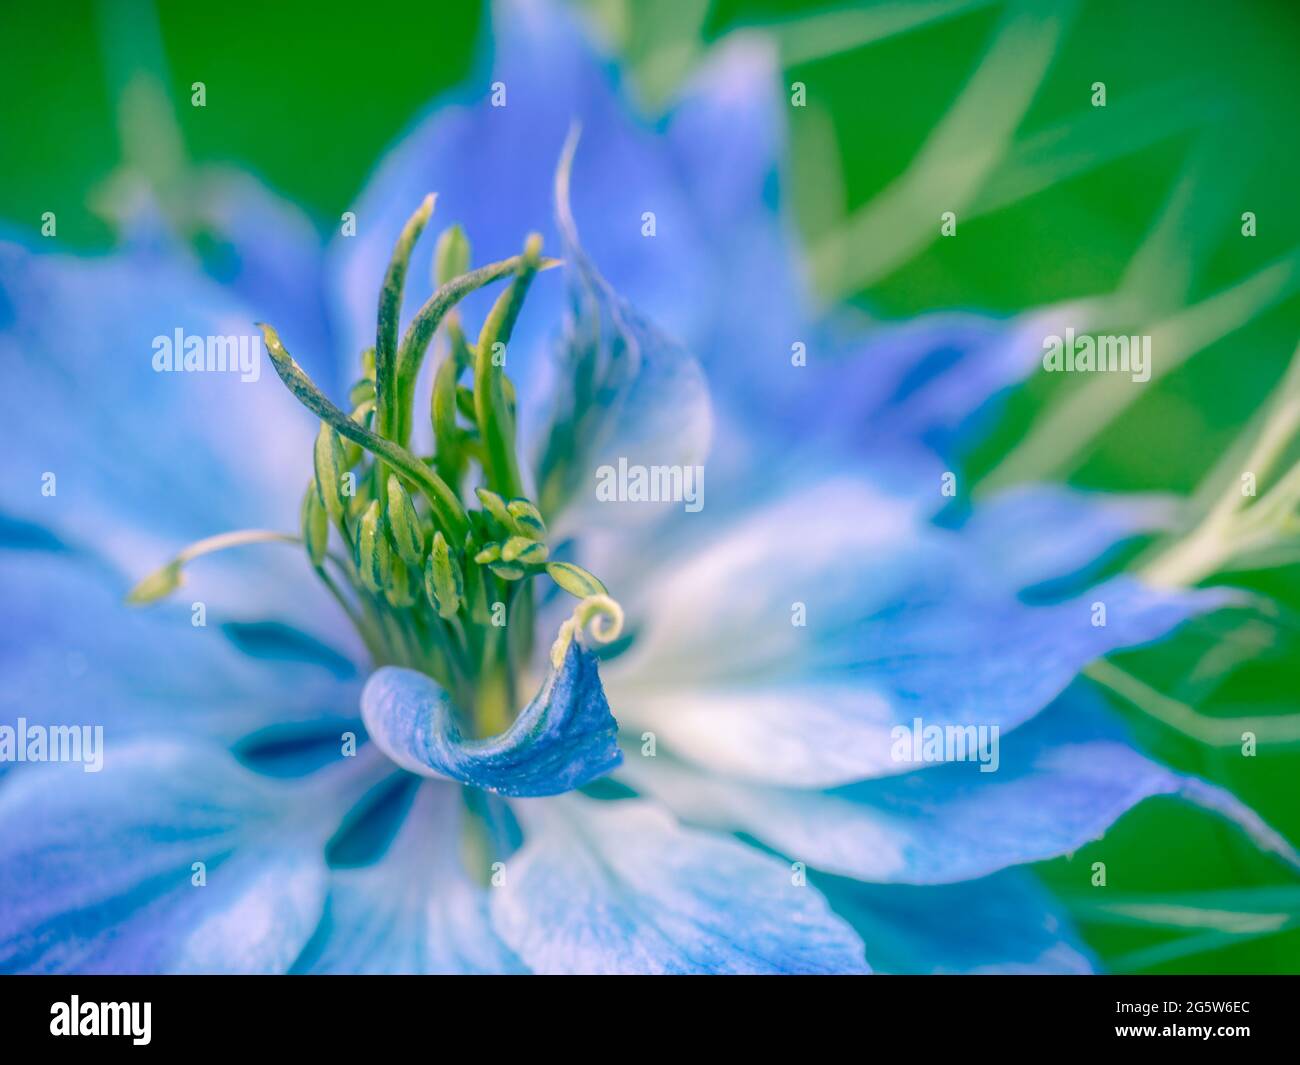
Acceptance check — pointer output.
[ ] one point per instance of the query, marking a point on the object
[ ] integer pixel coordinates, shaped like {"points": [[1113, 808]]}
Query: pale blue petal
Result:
{"points": [[719, 271], [417, 910], [564, 738], [645, 404], [269, 253], [77, 653], [932, 380], [1004, 923], [261, 248], [1059, 782], [945, 372], [96, 868], [1039, 533], [901, 619], [891, 394], [728, 130], [620, 887], [144, 462], [492, 168], [854, 392]]}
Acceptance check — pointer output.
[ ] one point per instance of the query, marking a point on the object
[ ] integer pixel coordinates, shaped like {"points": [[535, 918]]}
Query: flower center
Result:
{"points": [[428, 582]]}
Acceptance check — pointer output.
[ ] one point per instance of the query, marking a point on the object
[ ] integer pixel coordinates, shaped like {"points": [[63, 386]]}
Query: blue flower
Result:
{"points": [[719, 714]]}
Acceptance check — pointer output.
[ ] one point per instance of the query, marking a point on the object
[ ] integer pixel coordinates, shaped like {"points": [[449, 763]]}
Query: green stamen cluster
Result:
{"points": [[428, 582]]}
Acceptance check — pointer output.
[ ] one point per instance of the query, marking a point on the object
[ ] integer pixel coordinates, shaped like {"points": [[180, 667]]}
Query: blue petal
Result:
{"points": [[728, 131], [1039, 533], [269, 253], [1059, 782], [145, 461], [561, 740], [1004, 923], [416, 910], [492, 169], [717, 273], [261, 248], [932, 380], [79, 654], [646, 403], [619, 887], [941, 372], [901, 619], [96, 868], [911, 393]]}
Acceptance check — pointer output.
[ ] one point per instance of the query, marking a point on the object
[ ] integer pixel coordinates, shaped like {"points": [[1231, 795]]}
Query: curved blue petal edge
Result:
{"points": [[564, 738], [648, 400]]}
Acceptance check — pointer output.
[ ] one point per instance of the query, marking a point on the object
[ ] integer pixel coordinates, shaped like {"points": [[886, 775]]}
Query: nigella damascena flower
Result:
{"points": [[517, 694]]}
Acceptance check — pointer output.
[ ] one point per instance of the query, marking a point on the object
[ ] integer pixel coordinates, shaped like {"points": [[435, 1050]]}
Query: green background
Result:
{"points": [[1201, 118]]}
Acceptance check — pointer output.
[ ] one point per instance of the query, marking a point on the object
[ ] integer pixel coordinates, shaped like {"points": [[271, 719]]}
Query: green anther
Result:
{"points": [[575, 580], [465, 396], [491, 408], [460, 347], [404, 523], [158, 585], [361, 415], [523, 550], [482, 527], [331, 466], [398, 589], [361, 392], [443, 583], [164, 581], [390, 309], [489, 554], [442, 409], [443, 500], [451, 255], [447, 435], [475, 594], [368, 363], [465, 401], [315, 525], [374, 560], [496, 506], [527, 518], [509, 571]]}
